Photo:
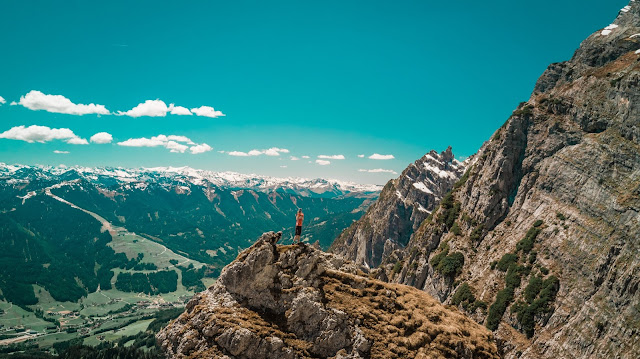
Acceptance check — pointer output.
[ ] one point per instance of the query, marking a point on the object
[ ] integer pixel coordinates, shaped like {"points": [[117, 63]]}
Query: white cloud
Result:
{"points": [[77, 141], [101, 138], [323, 162], [2, 100], [151, 108], [238, 154], [179, 110], [332, 157], [42, 134], [207, 111], [142, 142], [377, 156], [61, 152], [294, 158], [177, 138], [176, 147], [306, 157], [283, 166], [36, 100], [273, 151], [361, 156], [13, 103], [200, 148], [379, 170], [175, 144]]}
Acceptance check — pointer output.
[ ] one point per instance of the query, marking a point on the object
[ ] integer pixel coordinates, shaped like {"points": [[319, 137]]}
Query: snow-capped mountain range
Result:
{"points": [[139, 177]]}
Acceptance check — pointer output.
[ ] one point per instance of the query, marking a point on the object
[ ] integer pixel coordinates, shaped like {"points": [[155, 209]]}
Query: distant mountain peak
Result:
{"points": [[309, 187]]}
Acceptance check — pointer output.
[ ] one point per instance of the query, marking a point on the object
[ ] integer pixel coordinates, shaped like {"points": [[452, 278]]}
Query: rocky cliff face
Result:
{"points": [[403, 204], [299, 302], [539, 240]]}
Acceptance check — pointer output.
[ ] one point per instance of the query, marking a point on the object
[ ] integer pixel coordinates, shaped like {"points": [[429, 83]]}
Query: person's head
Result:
{"points": [[299, 210]]}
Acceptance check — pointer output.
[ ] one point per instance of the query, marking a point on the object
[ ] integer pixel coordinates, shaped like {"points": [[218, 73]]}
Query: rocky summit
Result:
{"points": [[539, 239], [295, 301], [403, 205]]}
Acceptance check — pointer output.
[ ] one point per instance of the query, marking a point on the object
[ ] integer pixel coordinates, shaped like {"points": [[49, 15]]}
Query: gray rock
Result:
{"points": [[299, 302]]}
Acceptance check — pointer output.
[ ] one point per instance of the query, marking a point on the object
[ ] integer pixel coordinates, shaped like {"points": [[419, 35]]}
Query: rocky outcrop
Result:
{"points": [[403, 204], [539, 240], [296, 301]]}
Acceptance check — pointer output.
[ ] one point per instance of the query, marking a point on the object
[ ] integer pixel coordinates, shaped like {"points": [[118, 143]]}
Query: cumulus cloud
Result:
{"points": [[2, 101], [101, 138], [306, 157], [202, 148], [176, 147], [36, 100], [42, 134], [151, 108], [273, 151], [283, 166], [294, 158], [176, 138], [158, 108], [323, 162], [175, 144], [361, 156], [179, 110], [378, 170], [377, 156], [77, 141], [61, 152], [207, 111], [237, 154], [332, 157]]}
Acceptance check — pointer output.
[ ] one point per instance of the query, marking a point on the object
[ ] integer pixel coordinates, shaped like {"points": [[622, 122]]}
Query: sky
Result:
{"points": [[352, 90]]}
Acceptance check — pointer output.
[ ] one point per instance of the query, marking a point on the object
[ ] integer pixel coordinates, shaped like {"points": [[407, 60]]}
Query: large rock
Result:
{"points": [[299, 302]]}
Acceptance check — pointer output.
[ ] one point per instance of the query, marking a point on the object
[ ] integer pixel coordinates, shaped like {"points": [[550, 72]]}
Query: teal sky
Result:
{"points": [[315, 78]]}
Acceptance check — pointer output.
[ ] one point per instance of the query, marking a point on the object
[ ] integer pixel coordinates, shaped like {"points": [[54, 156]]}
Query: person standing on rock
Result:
{"points": [[299, 219]]}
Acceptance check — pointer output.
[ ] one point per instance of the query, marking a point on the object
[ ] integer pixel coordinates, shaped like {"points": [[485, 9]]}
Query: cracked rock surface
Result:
{"points": [[295, 301]]}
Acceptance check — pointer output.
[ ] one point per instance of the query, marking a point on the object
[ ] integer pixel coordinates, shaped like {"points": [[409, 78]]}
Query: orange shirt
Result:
{"points": [[299, 218]]}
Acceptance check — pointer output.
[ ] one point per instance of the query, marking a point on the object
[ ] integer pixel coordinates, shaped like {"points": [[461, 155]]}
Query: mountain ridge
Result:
{"points": [[538, 239], [303, 186]]}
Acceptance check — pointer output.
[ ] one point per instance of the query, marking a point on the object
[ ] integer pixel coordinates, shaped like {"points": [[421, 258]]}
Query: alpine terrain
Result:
{"points": [[89, 250], [538, 240], [295, 301]]}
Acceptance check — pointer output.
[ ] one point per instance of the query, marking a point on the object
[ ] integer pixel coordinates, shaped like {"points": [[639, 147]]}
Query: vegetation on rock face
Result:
{"points": [[526, 244], [506, 261], [538, 295], [448, 265], [449, 210], [464, 296]]}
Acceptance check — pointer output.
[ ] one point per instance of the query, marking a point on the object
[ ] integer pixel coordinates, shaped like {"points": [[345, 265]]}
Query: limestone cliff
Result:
{"points": [[403, 204], [539, 239], [296, 301]]}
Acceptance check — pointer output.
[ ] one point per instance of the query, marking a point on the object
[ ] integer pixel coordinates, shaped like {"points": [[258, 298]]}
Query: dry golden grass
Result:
{"points": [[403, 322]]}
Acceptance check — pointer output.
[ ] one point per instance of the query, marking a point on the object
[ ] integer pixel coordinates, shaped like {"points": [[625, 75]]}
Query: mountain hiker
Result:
{"points": [[299, 219]]}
